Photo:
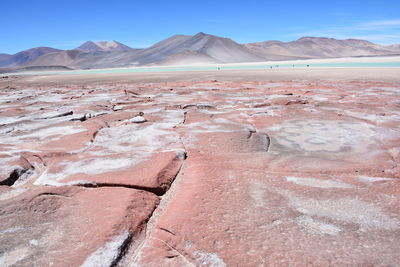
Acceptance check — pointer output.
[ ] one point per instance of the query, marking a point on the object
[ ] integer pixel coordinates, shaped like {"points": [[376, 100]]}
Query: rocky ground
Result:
{"points": [[209, 173]]}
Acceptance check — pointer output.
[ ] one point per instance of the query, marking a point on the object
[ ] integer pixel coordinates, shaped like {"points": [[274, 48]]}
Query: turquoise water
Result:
{"points": [[232, 67]]}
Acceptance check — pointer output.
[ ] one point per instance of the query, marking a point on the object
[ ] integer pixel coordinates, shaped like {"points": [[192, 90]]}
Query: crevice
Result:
{"points": [[9, 130], [94, 136], [184, 117], [69, 113], [14, 176], [166, 230], [159, 191], [152, 221], [122, 251], [172, 256], [155, 190], [199, 106], [267, 142], [127, 92], [82, 119], [87, 116], [51, 194], [251, 132]]}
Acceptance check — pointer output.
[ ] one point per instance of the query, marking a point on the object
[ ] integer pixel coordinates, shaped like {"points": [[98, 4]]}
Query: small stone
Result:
{"points": [[118, 107], [138, 119]]}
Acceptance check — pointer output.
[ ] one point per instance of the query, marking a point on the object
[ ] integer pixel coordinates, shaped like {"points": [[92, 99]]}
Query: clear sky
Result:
{"points": [[67, 24]]}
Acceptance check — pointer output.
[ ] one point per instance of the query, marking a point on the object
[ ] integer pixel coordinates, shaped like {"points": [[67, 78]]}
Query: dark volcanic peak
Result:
{"points": [[88, 46]]}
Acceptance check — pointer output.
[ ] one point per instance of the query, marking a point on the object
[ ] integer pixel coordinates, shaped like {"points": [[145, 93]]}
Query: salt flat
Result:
{"points": [[363, 62], [201, 168]]}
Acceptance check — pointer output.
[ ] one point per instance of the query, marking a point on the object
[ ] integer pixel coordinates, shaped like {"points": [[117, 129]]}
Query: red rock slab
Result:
{"points": [[238, 216], [146, 156], [155, 173], [72, 226]]}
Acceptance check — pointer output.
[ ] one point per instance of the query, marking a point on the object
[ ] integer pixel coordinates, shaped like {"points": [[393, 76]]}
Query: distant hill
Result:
{"points": [[191, 50], [316, 47], [395, 47], [80, 59], [4, 57], [103, 46], [47, 56], [60, 58], [26, 56]]}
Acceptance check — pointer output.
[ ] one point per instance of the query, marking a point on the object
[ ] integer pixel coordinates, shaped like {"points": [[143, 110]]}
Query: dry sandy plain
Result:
{"points": [[281, 167]]}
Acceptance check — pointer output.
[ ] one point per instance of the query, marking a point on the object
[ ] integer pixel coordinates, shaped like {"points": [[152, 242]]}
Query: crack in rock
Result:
{"points": [[19, 173], [69, 113], [13, 177], [155, 190]]}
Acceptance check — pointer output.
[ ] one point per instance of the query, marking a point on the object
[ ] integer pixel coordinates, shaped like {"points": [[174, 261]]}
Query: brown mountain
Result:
{"points": [[219, 49]]}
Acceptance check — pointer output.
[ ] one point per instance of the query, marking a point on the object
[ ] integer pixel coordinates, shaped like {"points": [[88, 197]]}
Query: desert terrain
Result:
{"points": [[245, 167]]}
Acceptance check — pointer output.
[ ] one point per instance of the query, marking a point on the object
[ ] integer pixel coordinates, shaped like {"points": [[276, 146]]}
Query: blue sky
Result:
{"points": [[67, 24]]}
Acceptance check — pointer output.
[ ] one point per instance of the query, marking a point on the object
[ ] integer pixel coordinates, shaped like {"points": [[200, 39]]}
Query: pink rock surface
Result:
{"points": [[242, 216], [277, 173], [72, 226]]}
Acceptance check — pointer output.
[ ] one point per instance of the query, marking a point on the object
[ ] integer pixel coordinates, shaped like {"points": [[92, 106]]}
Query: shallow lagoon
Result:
{"points": [[270, 65]]}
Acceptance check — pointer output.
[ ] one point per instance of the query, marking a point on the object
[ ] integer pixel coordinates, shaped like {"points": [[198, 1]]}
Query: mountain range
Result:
{"points": [[189, 50]]}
